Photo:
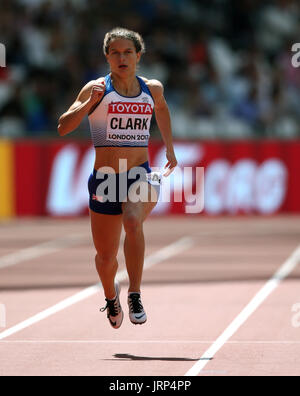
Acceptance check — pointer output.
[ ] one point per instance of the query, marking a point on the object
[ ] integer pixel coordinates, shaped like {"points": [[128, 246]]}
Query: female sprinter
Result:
{"points": [[119, 107]]}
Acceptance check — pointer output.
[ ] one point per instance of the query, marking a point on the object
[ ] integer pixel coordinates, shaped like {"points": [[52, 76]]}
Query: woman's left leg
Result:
{"points": [[134, 215]]}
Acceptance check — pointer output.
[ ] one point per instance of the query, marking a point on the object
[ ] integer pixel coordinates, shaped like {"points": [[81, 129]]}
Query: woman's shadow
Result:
{"points": [[127, 356]]}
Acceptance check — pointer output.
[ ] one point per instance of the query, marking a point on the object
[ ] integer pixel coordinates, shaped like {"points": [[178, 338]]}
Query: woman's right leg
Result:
{"points": [[106, 231]]}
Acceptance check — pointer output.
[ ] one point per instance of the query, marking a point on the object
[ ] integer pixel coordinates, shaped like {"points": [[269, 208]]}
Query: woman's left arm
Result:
{"points": [[163, 120]]}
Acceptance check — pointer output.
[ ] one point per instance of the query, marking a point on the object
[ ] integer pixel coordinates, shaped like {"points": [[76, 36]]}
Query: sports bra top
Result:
{"points": [[122, 121]]}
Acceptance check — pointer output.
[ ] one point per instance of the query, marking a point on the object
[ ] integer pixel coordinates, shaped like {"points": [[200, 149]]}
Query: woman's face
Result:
{"points": [[122, 56]]}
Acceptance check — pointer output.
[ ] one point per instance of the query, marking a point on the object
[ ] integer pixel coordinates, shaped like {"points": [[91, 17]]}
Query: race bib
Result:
{"points": [[128, 122]]}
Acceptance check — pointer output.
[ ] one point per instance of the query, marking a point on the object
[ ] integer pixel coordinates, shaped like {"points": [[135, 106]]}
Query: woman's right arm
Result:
{"points": [[88, 97]]}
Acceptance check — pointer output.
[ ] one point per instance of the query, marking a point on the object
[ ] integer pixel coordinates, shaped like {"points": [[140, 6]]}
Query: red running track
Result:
{"points": [[200, 274]]}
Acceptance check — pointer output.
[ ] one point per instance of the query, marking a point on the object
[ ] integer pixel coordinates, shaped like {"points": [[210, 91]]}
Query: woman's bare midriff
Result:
{"points": [[129, 156]]}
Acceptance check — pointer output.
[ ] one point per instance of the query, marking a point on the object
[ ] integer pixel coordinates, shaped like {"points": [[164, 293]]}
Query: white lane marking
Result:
{"points": [[286, 268], [159, 256], [175, 342], [39, 250]]}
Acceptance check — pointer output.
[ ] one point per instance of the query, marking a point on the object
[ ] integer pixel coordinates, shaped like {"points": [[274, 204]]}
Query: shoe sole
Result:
{"points": [[138, 323]]}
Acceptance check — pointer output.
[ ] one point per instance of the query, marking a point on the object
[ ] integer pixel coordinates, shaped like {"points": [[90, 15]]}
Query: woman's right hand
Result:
{"points": [[89, 96], [97, 93]]}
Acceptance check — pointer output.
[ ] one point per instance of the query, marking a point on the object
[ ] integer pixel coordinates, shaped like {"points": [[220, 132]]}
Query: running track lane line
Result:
{"points": [[163, 254], [286, 268], [39, 250], [175, 342]]}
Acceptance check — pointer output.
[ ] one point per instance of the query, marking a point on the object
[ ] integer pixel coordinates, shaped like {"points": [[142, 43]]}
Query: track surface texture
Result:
{"points": [[222, 297]]}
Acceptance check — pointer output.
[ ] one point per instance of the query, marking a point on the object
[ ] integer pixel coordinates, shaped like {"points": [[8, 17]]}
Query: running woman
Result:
{"points": [[119, 107]]}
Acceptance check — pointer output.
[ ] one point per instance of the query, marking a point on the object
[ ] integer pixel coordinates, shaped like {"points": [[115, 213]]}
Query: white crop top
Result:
{"points": [[122, 121]]}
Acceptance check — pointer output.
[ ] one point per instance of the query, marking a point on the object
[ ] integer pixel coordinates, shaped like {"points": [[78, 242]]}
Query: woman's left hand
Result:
{"points": [[171, 164]]}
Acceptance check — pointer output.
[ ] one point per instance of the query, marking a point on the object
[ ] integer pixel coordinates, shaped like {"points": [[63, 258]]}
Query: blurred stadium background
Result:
{"points": [[229, 81]]}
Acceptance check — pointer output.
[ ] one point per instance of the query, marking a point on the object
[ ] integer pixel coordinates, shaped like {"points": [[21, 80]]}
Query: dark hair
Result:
{"points": [[122, 33]]}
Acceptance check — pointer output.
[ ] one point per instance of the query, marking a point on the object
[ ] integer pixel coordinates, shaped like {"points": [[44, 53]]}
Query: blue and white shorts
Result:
{"points": [[108, 191]]}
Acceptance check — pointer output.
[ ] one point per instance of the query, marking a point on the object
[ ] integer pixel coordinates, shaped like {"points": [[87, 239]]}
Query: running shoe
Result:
{"points": [[137, 315], [114, 310]]}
